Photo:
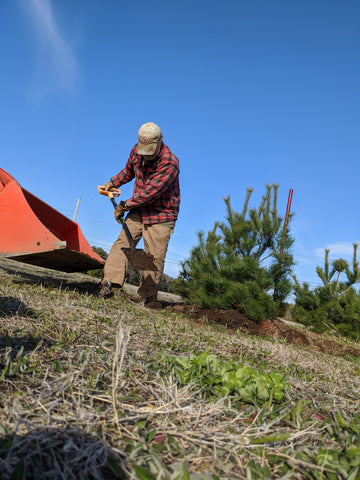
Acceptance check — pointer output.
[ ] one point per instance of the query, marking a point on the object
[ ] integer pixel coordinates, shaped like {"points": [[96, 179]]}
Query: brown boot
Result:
{"points": [[105, 289], [151, 302], [146, 300]]}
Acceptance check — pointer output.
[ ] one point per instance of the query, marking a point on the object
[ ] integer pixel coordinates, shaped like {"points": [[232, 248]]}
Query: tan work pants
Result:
{"points": [[156, 238]]}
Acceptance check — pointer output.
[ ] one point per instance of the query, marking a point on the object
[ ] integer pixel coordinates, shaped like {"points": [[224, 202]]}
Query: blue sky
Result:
{"points": [[246, 92]]}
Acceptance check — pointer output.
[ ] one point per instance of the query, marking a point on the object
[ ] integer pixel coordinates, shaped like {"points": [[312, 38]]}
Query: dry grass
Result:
{"points": [[84, 395]]}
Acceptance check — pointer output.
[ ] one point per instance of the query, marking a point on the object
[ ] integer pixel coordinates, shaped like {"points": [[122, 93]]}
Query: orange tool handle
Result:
{"points": [[114, 192]]}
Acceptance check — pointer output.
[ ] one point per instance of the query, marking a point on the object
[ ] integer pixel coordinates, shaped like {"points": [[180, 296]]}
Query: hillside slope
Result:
{"points": [[89, 391]]}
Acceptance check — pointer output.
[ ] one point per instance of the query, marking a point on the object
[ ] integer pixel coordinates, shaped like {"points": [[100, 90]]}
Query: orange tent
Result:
{"points": [[33, 232]]}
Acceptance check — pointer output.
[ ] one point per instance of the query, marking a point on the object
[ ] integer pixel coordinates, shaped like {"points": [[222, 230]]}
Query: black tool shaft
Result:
{"points": [[128, 234], [127, 231]]}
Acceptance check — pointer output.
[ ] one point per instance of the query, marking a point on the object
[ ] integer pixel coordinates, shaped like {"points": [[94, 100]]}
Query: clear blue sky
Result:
{"points": [[247, 92]]}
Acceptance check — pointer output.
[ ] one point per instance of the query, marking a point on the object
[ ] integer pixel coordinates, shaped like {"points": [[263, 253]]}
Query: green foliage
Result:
{"points": [[98, 273], [166, 283], [20, 364], [101, 252], [132, 276], [220, 378], [339, 464], [336, 303], [241, 261]]}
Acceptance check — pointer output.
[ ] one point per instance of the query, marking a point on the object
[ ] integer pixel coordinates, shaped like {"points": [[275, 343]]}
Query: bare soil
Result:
{"points": [[281, 329], [140, 259]]}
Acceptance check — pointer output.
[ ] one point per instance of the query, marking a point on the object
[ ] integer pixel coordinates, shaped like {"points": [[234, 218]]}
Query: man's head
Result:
{"points": [[150, 139]]}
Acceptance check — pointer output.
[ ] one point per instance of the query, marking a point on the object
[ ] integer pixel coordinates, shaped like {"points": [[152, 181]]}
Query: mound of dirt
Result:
{"points": [[234, 320]]}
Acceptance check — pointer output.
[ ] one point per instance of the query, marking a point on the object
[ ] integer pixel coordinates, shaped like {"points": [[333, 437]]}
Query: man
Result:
{"points": [[153, 210]]}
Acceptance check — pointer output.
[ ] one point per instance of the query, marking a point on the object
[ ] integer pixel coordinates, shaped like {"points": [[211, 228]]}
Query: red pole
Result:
{"points": [[286, 218]]}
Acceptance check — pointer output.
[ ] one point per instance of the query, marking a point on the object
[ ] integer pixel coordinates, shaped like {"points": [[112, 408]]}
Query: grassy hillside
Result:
{"points": [[90, 390]]}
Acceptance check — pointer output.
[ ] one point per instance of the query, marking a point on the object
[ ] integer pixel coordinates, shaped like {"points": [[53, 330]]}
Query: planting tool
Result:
{"points": [[138, 258], [33, 232]]}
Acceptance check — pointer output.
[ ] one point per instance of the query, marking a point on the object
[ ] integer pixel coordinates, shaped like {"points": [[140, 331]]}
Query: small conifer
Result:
{"points": [[334, 305], [243, 263]]}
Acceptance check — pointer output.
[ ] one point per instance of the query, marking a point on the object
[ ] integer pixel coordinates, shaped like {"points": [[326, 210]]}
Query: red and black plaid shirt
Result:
{"points": [[156, 190]]}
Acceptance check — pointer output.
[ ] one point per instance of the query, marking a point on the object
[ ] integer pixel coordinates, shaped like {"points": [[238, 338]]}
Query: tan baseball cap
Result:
{"points": [[149, 136]]}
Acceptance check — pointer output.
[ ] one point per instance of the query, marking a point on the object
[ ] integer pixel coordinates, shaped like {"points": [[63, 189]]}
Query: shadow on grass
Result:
{"points": [[55, 453], [24, 344], [53, 279], [9, 307]]}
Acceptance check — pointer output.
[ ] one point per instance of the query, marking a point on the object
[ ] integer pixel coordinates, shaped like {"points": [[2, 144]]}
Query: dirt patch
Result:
{"points": [[139, 259], [231, 319], [311, 339], [234, 320]]}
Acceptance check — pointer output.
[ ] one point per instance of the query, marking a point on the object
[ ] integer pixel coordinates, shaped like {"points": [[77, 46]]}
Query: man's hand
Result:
{"points": [[108, 186], [120, 210]]}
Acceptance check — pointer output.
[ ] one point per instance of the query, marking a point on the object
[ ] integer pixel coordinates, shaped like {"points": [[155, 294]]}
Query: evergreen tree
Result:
{"points": [[239, 263], [166, 283], [132, 276], [336, 303], [99, 271]]}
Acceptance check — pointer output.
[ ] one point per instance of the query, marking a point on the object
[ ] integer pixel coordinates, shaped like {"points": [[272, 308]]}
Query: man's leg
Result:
{"points": [[116, 264], [156, 238]]}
